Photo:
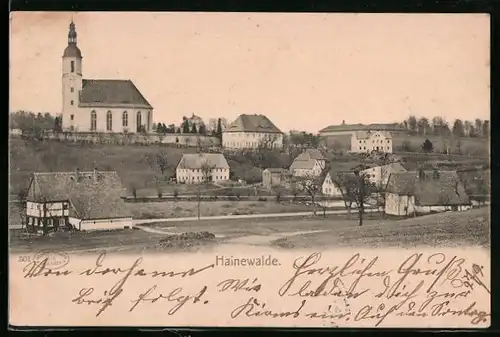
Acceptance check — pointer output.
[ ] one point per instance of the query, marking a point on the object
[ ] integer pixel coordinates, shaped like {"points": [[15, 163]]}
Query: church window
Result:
{"points": [[72, 66], [139, 121], [125, 118], [109, 121], [72, 103], [93, 120], [72, 89], [72, 117]]}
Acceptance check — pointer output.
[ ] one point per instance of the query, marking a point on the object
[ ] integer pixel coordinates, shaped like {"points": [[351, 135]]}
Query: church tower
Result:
{"points": [[71, 80]]}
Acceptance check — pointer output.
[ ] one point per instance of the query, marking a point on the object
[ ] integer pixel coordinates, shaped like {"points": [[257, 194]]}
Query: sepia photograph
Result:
{"points": [[199, 141]]}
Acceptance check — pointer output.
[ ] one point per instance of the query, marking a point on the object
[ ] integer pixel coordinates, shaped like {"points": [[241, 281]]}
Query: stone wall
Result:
{"points": [[124, 139]]}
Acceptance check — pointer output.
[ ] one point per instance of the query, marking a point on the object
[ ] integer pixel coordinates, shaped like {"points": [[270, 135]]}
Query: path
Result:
{"points": [[245, 216], [254, 240]]}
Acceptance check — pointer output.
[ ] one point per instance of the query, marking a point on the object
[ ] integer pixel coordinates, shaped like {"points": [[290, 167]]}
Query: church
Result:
{"points": [[98, 105]]}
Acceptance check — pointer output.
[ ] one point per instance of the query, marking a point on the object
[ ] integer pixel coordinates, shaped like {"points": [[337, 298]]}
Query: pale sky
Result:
{"points": [[304, 71]]}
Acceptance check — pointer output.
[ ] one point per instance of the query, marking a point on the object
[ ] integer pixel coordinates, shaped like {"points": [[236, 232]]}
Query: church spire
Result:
{"points": [[72, 34]]}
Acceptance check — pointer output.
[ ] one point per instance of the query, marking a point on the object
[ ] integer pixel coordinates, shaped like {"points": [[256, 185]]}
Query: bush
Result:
{"points": [[406, 146]]}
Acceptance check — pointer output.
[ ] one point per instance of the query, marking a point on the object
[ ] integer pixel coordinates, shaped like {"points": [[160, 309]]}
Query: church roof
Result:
{"points": [[72, 51], [252, 123], [94, 195], [112, 93]]}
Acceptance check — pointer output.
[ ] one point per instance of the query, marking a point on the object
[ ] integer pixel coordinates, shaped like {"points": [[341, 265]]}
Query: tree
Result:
{"points": [[468, 128], [58, 124], [458, 128], [202, 130], [185, 126], [412, 124], [486, 128], [478, 125], [193, 129], [427, 146], [423, 126], [406, 146], [311, 184], [355, 187]]}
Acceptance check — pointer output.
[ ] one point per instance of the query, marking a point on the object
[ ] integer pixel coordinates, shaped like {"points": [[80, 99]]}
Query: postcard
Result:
{"points": [[195, 169]]}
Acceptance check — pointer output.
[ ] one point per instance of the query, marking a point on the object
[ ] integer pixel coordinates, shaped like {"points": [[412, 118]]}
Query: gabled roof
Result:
{"points": [[389, 167], [362, 127], [369, 134], [252, 123], [302, 164], [113, 94], [197, 160], [94, 195], [275, 170], [429, 190]]}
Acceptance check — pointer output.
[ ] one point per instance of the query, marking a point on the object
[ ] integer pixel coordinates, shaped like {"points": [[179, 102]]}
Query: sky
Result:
{"points": [[303, 71]]}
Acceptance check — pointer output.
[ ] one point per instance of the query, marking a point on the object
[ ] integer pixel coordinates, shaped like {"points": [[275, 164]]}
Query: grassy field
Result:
{"points": [[438, 230], [180, 209], [468, 145]]}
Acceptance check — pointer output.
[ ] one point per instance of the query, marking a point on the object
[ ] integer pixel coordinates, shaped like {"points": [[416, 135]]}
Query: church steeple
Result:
{"points": [[72, 34]]}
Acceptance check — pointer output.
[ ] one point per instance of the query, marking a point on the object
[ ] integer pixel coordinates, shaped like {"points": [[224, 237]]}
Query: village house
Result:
{"points": [[367, 141], [311, 162], [328, 186], [76, 200], [272, 177], [99, 105], [379, 174], [251, 132], [198, 168], [422, 192]]}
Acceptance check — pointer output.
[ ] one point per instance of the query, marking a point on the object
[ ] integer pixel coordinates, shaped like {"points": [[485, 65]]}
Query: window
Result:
{"points": [[109, 121], [93, 120], [72, 66], [72, 117], [139, 121], [65, 206], [72, 103], [72, 89], [125, 118]]}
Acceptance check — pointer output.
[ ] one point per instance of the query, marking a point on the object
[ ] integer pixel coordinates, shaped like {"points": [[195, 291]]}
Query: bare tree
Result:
{"points": [[311, 184], [206, 177], [355, 187]]}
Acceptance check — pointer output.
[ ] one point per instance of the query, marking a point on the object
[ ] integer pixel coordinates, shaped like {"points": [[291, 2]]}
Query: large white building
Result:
{"points": [[251, 132], [366, 142], [197, 168], [92, 105]]}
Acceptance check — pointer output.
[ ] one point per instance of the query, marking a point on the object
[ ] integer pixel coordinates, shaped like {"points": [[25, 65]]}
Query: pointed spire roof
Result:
{"points": [[72, 50]]}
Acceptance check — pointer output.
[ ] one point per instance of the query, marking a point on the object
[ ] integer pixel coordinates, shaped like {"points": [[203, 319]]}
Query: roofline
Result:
{"points": [[277, 132], [114, 217], [114, 105]]}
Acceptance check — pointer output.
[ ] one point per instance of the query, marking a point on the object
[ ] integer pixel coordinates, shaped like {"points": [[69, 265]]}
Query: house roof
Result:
{"points": [[389, 168], [302, 164], [447, 189], [275, 170], [368, 134], [311, 154], [307, 159], [252, 123], [362, 127], [112, 93], [94, 195], [197, 160]]}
